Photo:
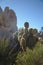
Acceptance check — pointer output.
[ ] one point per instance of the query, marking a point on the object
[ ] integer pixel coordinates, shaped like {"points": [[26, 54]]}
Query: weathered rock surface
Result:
{"points": [[5, 34], [8, 19], [8, 22], [8, 26]]}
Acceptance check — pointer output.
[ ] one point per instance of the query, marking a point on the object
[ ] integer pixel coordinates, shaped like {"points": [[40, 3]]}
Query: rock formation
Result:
{"points": [[8, 20], [8, 23]]}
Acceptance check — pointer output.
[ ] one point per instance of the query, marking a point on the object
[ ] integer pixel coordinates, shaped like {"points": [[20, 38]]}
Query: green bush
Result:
{"points": [[29, 37], [3, 47], [5, 58], [31, 57]]}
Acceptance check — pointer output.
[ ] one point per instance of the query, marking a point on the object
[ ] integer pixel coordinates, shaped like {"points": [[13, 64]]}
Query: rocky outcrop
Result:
{"points": [[8, 23], [8, 20], [5, 34], [8, 26]]}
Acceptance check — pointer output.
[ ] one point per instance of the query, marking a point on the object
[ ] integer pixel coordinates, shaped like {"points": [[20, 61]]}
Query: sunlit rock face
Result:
{"points": [[8, 20], [8, 23]]}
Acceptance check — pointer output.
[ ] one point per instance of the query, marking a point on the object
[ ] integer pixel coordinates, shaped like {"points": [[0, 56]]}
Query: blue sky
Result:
{"points": [[26, 10]]}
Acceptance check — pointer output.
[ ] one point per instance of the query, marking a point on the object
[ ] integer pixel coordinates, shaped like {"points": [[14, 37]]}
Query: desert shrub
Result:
{"points": [[31, 57], [19, 38], [3, 53], [20, 31], [23, 44], [30, 39], [15, 35], [9, 49]]}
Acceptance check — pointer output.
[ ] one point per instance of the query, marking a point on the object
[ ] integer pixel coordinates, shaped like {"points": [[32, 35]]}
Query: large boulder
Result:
{"points": [[8, 19]]}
